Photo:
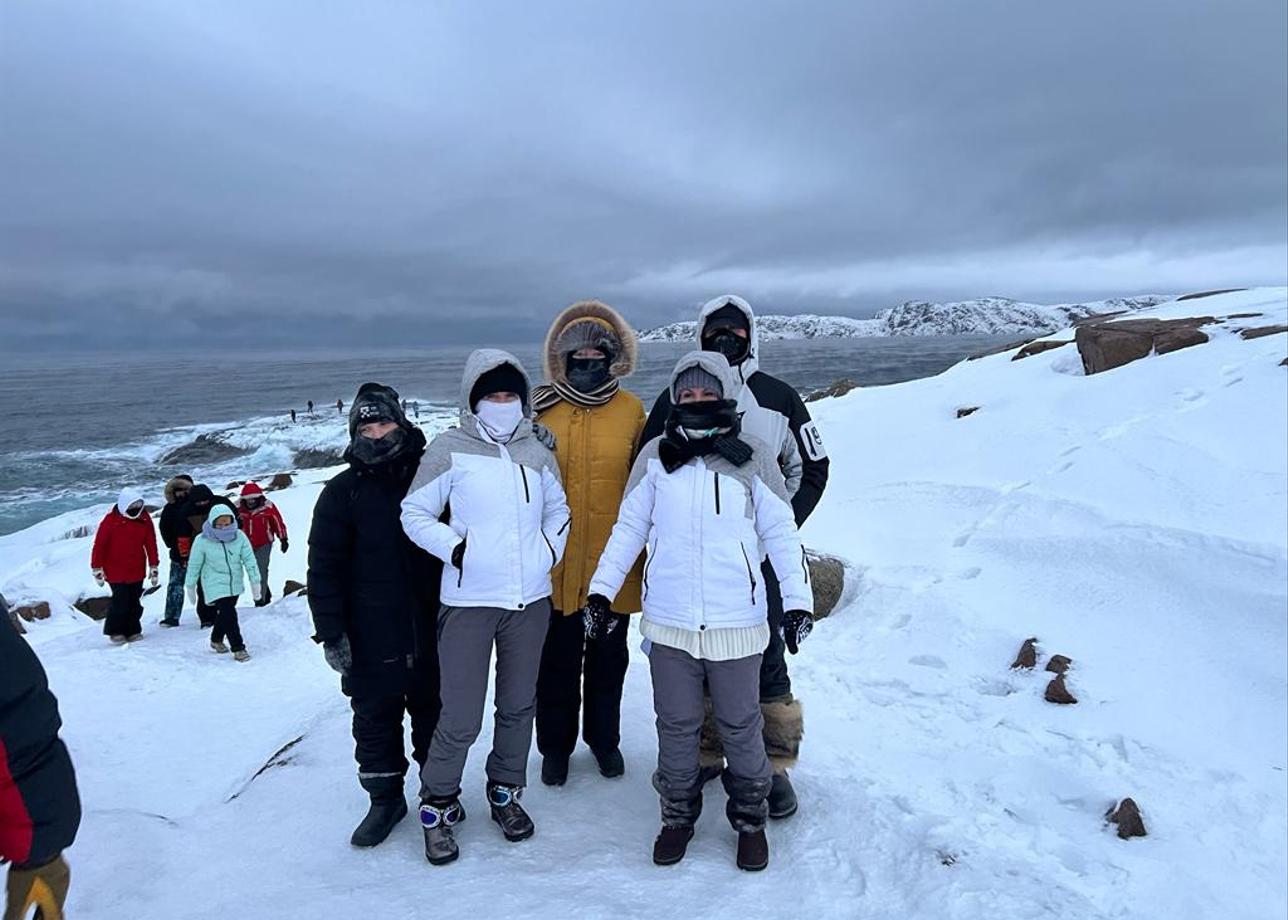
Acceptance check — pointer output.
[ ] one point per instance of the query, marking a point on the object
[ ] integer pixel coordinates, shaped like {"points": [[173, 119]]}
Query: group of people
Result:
{"points": [[211, 542], [532, 531]]}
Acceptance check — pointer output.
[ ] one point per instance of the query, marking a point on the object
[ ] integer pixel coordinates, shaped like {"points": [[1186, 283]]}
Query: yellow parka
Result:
{"points": [[595, 448]]}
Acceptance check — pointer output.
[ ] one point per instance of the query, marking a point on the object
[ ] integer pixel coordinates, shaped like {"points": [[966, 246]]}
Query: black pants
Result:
{"points": [[125, 618], [774, 681], [378, 710], [560, 686], [205, 612], [226, 623]]}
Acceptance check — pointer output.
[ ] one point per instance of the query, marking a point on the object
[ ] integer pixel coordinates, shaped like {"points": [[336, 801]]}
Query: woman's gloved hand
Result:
{"points": [[796, 627]]}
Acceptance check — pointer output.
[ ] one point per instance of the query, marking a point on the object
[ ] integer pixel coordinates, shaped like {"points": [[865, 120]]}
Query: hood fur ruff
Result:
{"points": [[614, 326]]}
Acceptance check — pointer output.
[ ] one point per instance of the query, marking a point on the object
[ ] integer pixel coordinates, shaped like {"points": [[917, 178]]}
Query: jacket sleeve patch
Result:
{"points": [[812, 441]]}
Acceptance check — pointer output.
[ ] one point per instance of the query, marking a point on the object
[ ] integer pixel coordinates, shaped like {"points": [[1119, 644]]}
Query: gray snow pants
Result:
{"points": [[263, 555], [466, 636], [734, 687]]}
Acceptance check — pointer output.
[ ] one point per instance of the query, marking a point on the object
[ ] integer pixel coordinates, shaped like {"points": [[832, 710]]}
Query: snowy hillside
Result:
{"points": [[984, 316], [1135, 520]]}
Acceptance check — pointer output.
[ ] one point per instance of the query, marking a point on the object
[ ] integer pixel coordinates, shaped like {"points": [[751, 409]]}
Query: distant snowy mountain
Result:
{"points": [[983, 316]]}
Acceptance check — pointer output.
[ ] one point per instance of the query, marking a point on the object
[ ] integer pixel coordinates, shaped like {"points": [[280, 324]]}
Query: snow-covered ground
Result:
{"points": [[1135, 520]]}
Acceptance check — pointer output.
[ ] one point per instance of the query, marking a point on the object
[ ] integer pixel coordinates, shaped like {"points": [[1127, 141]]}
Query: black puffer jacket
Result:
{"points": [[366, 579], [40, 810]]}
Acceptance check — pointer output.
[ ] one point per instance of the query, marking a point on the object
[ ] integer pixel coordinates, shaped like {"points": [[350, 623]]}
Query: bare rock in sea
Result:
{"points": [[1057, 692], [96, 608], [33, 612], [279, 481], [299, 589], [1059, 664], [314, 458], [1027, 657], [964, 411], [235, 484], [1105, 346], [827, 578], [204, 449], [1128, 818]]}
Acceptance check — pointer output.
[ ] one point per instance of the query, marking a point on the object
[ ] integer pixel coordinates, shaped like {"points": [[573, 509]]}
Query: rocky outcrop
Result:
{"points": [[299, 589], [1059, 664], [1105, 346], [964, 411], [1036, 348], [1201, 294], [32, 612], [315, 458], [827, 578], [837, 388], [999, 349], [1259, 331], [1057, 692], [1128, 818], [96, 608], [204, 449], [279, 481], [1027, 656]]}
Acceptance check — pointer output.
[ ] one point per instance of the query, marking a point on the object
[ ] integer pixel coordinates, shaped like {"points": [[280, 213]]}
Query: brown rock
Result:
{"points": [[95, 608], [294, 587], [1202, 294], [1104, 346], [836, 388], [36, 611], [1261, 331], [999, 349], [1057, 692], [1244, 315], [17, 623], [235, 484], [1036, 348], [1059, 664], [279, 481], [827, 578], [1127, 816], [964, 411], [1027, 657]]}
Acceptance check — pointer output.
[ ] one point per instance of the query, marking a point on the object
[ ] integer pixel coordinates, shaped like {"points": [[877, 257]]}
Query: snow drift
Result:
{"points": [[1135, 521]]}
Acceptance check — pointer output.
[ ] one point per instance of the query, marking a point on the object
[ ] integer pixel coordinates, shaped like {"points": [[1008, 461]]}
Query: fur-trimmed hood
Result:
{"points": [[176, 483], [616, 333]]}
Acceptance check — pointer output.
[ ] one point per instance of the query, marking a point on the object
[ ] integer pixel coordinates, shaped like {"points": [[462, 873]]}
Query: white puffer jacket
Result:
{"points": [[702, 525], [507, 504]]}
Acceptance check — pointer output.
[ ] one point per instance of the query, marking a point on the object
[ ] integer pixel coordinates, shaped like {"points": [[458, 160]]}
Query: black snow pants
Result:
{"points": [[226, 623], [380, 702], [125, 618], [774, 680], [566, 694]]}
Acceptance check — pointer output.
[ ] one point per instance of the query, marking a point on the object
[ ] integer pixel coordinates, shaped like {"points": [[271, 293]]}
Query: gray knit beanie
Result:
{"points": [[693, 377]]}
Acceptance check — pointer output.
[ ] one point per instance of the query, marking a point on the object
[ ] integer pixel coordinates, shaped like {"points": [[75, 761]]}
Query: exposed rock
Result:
{"points": [[837, 388], [36, 611], [1057, 692], [1104, 346], [294, 587], [1036, 348], [1027, 657], [235, 484], [1099, 318], [1284, 363], [999, 349], [1202, 294], [1244, 315], [279, 481], [314, 459], [96, 608], [76, 533], [827, 578], [1059, 664], [966, 410], [1260, 331], [17, 623], [204, 449], [1128, 818]]}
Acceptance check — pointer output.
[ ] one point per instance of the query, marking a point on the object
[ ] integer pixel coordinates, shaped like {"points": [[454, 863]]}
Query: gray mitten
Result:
{"points": [[338, 655], [545, 436]]}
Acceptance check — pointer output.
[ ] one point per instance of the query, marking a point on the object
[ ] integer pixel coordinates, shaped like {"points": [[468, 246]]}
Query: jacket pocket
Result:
{"points": [[717, 476], [648, 563], [460, 573], [750, 577], [550, 546]]}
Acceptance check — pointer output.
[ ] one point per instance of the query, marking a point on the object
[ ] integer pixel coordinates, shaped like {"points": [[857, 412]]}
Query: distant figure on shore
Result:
{"points": [[415, 408], [124, 553], [310, 407], [292, 415], [262, 523], [339, 406]]}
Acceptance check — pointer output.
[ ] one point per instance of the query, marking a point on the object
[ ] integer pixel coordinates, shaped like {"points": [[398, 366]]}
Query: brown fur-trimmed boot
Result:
{"points": [[784, 728]]}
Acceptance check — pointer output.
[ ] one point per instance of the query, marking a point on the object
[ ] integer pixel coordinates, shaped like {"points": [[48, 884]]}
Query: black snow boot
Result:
{"points": [[503, 799], [610, 762], [438, 817], [671, 843], [782, 797], [753, 850], [554, 769], [388, 807]]}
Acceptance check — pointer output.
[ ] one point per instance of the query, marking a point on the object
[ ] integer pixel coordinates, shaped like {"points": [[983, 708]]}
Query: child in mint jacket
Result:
{"points": [[219, 556]]}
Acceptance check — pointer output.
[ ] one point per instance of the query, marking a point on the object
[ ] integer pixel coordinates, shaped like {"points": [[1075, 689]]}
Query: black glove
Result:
{"points": [[458, 554], [286, 544], [339, 655], [597, 618], [545, 436], [795, 629]]}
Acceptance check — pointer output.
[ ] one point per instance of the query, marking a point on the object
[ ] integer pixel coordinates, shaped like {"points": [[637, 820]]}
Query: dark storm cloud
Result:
{"points": [[319, 173]]}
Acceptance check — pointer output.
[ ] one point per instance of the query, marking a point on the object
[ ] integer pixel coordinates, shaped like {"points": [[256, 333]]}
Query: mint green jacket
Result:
{"points": [[219, 567]]}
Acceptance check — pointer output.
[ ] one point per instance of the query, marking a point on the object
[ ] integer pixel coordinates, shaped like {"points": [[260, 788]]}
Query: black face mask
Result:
{"points": [[704, 416], [372, 451], [587, 374], [728, 343]]}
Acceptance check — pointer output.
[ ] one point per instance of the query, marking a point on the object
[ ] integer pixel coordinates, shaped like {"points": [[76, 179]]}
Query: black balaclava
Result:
{"points": [[504, 378], [718, 334], [585, 375], [376, 402]]}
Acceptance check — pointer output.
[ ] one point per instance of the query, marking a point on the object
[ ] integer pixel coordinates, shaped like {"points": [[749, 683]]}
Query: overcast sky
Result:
{"points": [[408, 172]]}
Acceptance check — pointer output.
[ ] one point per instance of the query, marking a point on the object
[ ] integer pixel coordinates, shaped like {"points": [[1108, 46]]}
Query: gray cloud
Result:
{"points": [[337, 173]]}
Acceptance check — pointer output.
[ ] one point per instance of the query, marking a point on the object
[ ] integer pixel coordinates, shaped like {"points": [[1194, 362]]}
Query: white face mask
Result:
{"points": [[500, 418]]}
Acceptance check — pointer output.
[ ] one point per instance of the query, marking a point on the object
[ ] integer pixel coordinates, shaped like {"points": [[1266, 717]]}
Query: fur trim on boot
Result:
{"points": [[784, 728], [710, 747]]}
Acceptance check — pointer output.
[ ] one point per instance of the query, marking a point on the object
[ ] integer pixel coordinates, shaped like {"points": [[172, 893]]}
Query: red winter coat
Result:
{"points": [[263, 525], [124, 548]]}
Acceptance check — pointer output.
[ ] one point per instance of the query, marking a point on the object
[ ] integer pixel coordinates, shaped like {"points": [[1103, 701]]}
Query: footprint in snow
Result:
{"points": [[928, 661]]}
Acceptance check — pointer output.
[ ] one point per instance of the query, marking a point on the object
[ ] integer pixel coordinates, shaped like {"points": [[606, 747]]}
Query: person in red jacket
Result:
{"points": [[262, 523], [125, 551]]}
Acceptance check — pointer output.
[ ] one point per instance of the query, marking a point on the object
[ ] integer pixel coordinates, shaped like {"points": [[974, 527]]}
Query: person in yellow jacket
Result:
{"points": [[596, 425]]}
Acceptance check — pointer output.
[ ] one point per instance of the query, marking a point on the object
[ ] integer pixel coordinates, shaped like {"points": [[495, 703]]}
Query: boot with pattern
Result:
{"points": [[503, 799], [438, 817]]}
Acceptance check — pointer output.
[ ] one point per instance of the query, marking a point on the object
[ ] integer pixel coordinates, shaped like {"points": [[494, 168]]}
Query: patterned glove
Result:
{"points": [[99, 578], [154, 576], [458, 554], [339, 655], [597, 618], [545, 436], [796, 627]]}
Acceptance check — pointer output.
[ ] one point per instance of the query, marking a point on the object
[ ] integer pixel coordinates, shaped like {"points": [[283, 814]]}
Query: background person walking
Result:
{"points": [[124, 553], [262, 523], [176, 534]]}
